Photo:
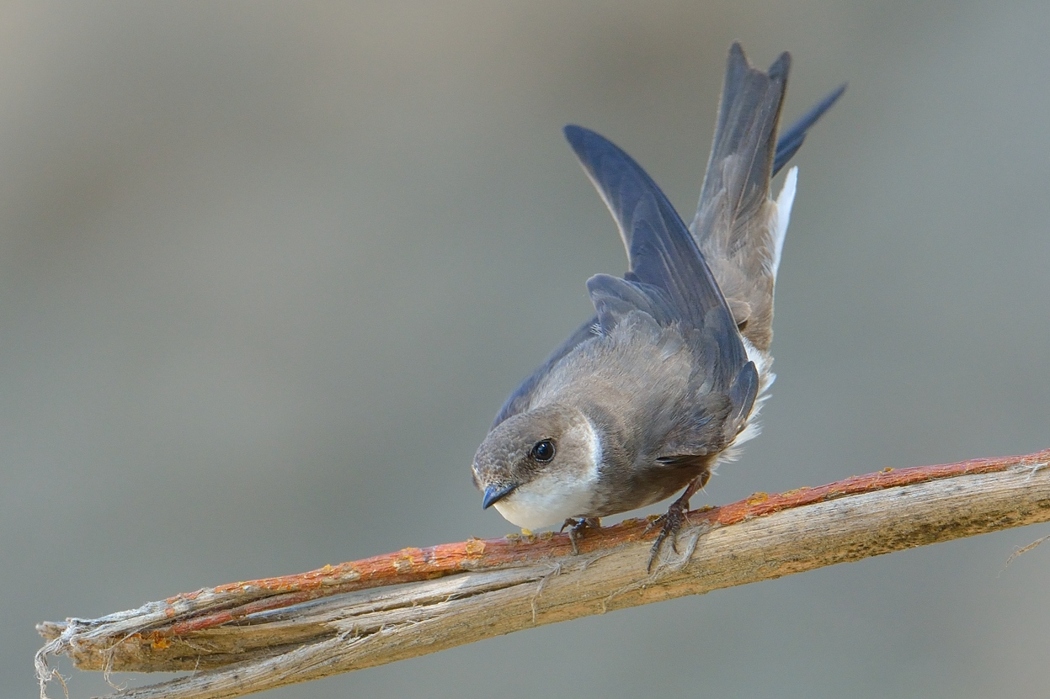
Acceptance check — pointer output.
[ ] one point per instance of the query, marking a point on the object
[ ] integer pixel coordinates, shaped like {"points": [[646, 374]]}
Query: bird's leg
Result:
{"points": [[577, 527], [675, 515]]}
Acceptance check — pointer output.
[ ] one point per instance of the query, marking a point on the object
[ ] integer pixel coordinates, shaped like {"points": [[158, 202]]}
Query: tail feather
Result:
{"points": [[736, 219]]}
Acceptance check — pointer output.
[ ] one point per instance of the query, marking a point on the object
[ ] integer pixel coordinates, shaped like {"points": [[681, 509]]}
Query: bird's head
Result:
{"points": [[540, 467]]}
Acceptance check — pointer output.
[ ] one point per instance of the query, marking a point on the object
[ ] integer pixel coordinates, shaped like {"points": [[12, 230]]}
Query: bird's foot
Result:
{"points": [[669, 522], [577, 527]]}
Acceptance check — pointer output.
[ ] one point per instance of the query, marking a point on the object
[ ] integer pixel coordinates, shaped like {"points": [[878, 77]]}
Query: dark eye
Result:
{"points": [[543, 450]]}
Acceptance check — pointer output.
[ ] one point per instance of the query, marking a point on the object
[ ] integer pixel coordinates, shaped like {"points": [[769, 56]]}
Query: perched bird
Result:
{"points": [[646, 397]]}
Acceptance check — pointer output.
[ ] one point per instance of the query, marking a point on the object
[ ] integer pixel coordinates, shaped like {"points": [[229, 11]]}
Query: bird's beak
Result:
{"points": [[495, 493]]}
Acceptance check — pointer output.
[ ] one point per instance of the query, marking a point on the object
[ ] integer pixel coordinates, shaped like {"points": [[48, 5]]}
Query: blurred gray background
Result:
{"points": [[267, 272]]}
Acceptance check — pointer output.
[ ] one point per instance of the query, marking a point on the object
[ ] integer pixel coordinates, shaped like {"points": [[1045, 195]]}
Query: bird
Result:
{"points": [[667, 378]]}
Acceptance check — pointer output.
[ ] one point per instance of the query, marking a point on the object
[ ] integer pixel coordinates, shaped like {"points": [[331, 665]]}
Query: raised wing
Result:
{"points": [[668, 275], [661, 252]]}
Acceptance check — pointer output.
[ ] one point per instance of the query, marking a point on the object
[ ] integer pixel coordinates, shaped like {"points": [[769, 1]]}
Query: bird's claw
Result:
{"points": [[577, 527], [670, 522]]}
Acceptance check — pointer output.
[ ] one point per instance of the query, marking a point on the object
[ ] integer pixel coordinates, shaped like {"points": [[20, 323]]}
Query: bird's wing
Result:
{"points": [[614, 298], [661, 251], [668, 277]]}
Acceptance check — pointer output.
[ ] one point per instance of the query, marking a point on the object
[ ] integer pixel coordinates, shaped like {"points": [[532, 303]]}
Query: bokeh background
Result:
{"points": [[267, 272]]}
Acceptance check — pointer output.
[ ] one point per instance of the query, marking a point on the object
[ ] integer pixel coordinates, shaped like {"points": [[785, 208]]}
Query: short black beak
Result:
{"points": [[495, 493]]}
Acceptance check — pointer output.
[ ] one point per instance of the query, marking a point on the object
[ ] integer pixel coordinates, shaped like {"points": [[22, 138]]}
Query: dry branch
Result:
{"points": [[249, 636]]}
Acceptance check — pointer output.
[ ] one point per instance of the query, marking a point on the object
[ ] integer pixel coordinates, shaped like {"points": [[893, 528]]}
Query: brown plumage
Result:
{"points": [[665, 380]]}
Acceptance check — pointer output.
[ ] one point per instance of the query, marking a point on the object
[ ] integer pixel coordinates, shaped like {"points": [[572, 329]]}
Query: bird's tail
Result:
{"points": [[737, 227]]}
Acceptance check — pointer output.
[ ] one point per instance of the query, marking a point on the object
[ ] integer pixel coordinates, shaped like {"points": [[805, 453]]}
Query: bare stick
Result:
{"points": [[250, 636]]}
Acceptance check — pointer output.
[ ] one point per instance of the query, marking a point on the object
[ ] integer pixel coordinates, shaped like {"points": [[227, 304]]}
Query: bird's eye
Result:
{"points": [[543, 451]]}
